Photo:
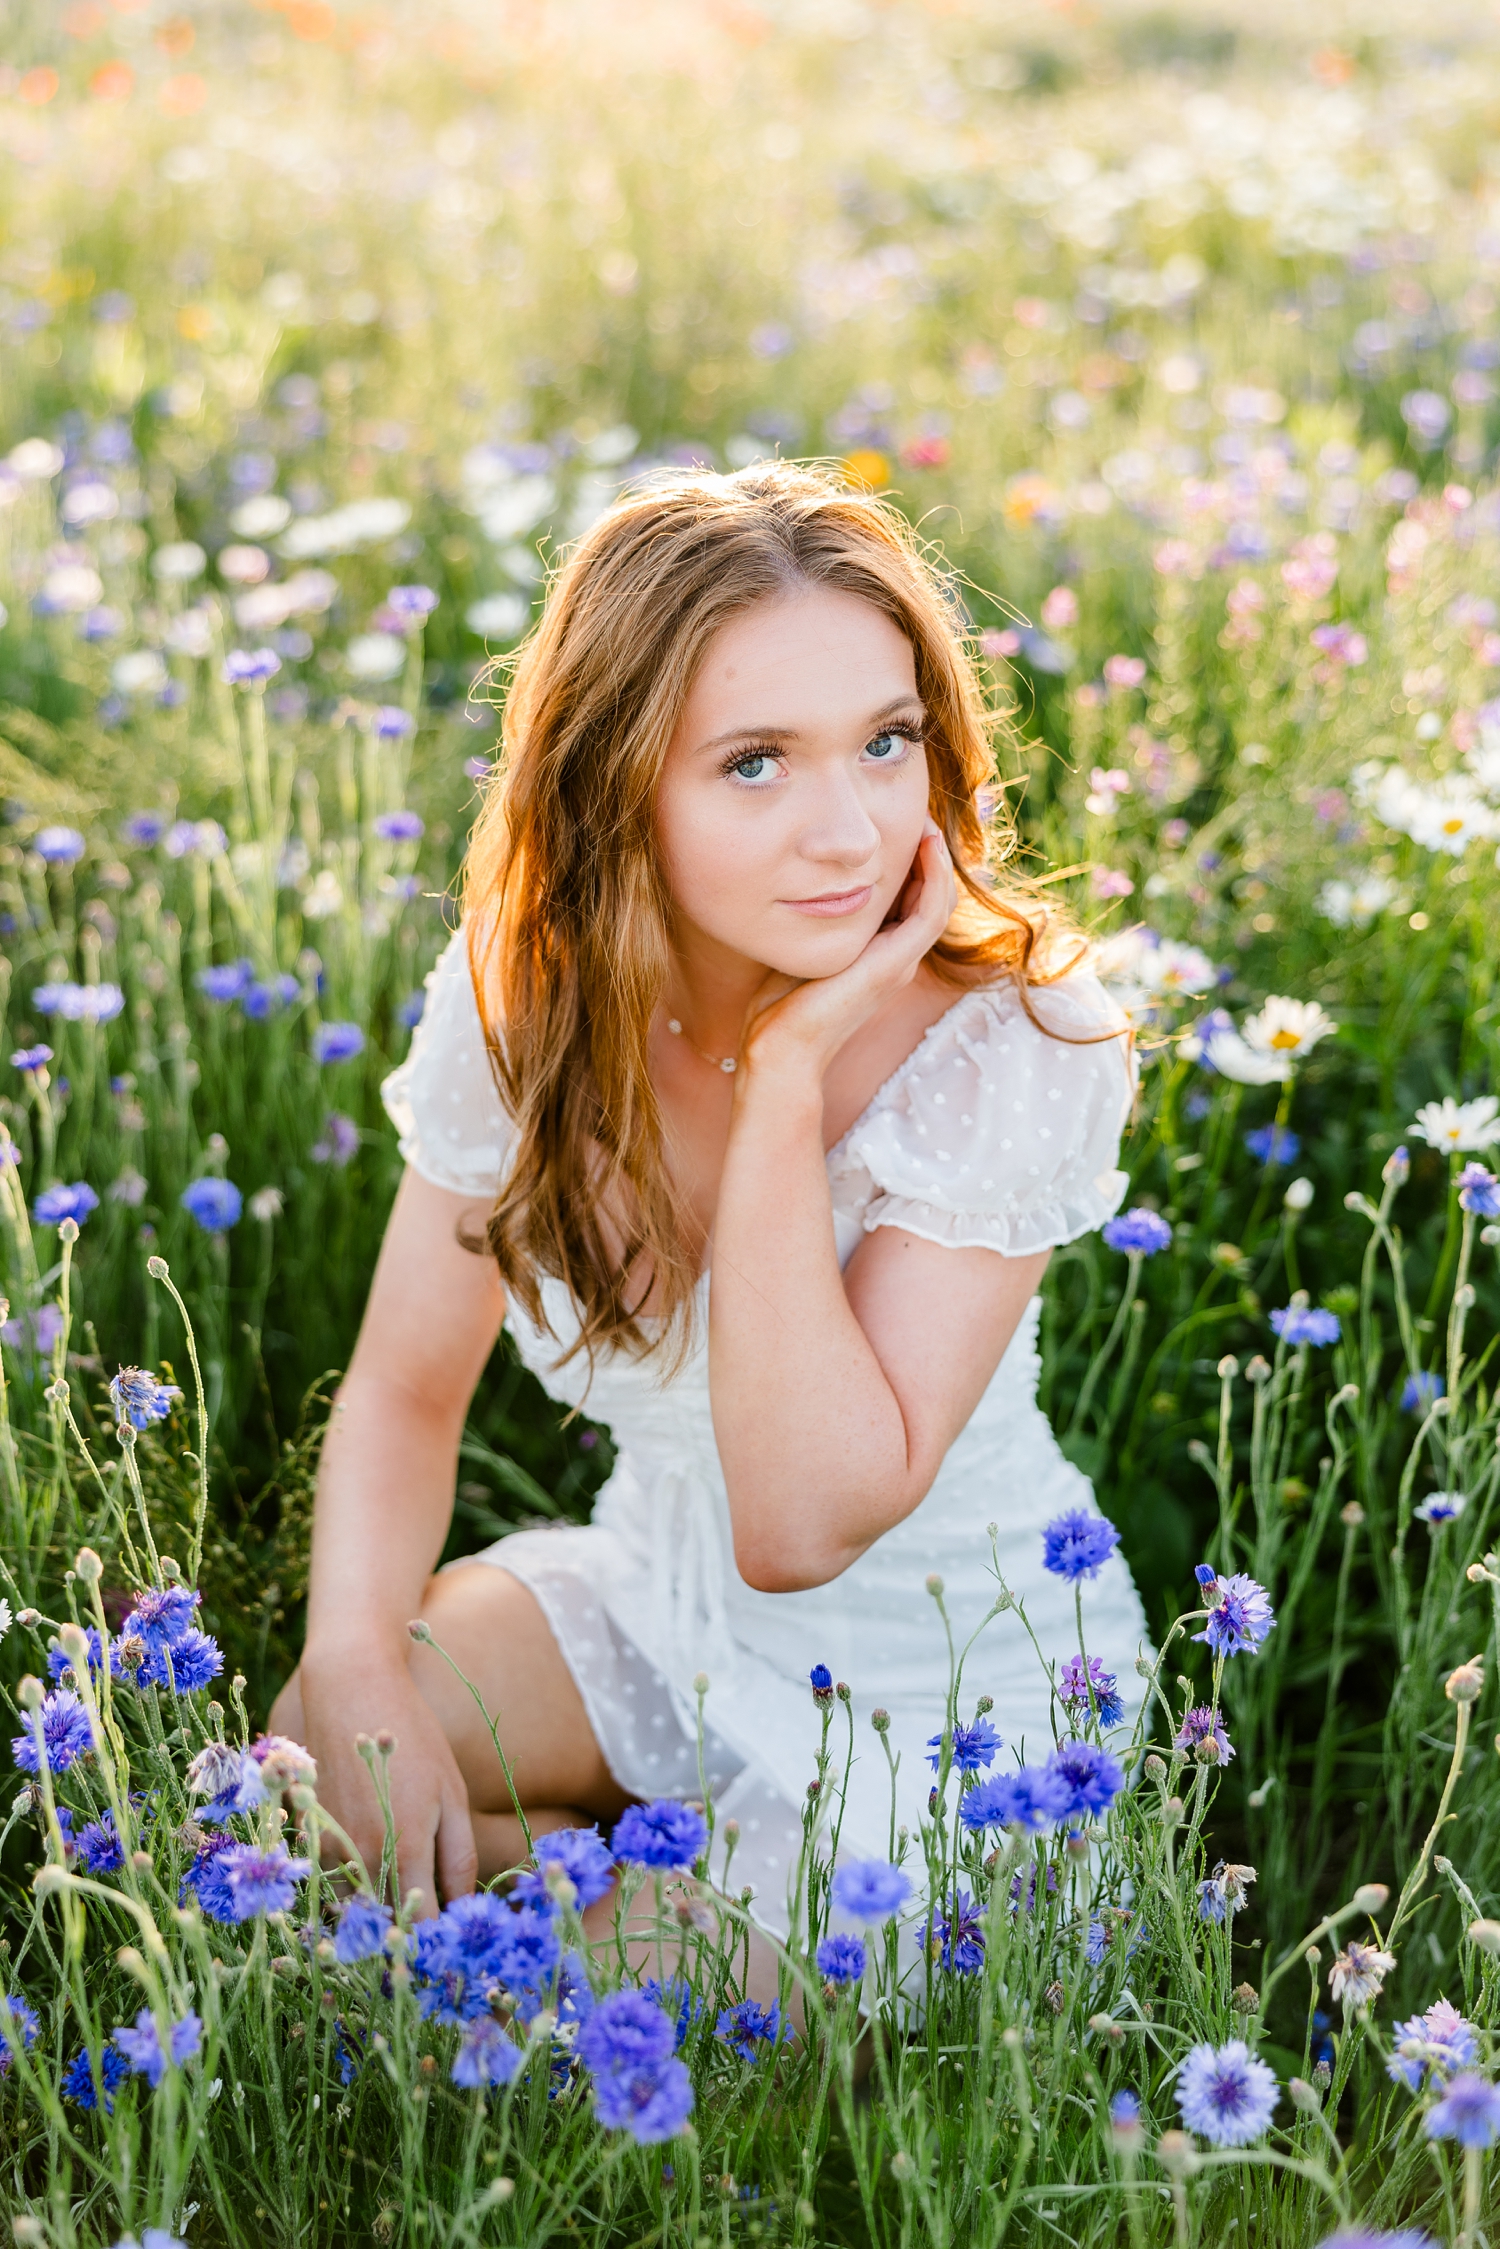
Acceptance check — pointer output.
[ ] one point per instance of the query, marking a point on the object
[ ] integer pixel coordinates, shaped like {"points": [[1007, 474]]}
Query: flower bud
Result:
{"points": [[1489, 1235], [1351, 1515], [881, 1721], [1229, 1367], [1464, 1298], [902, 2166], [87, 1566], [1466, 1684], [1258, 1370], [984, 1706], [67, 1232], [1176, 2155], [843, 1693], [1298, 1195], [50, 1878], [1172, 1814], [1486, 1934], [1369, 1897], [1477, 1574], [1304, 2096], [420, 1629], [385, 1742], [1156, 1767], [1246, 1999], [29, 1693], [730, 1830], [935, 1586], [157, 1268], [1322, 2076], [1078, 1849], [73, 1641], [700, 1682], [1055, 1997], [1105, 2026]]}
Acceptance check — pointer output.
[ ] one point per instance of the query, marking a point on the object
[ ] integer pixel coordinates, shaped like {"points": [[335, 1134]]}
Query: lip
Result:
{"points": [[833, 903]]}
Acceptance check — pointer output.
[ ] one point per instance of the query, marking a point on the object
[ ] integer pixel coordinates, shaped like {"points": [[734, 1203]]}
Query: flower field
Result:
{"points": [[1178, 336]]}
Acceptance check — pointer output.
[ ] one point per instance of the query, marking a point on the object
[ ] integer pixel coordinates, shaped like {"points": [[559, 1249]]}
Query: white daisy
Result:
{"points": [[1288, 1027], [1459, 1125]]}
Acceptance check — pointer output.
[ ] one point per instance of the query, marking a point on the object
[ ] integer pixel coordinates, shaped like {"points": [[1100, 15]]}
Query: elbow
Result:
{"points": [[786, 1566]]}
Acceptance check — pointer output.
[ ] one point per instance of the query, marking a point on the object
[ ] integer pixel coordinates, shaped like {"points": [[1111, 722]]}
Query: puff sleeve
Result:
{"points": [[443, 1099], [995, 1134]]}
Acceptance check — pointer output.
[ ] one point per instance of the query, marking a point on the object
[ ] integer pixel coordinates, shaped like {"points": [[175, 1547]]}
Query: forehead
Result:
{"points": [[794, 657]]}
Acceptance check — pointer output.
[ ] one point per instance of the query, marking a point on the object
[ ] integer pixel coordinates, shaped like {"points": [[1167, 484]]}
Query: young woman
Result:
{"points": [[751, 1096]]}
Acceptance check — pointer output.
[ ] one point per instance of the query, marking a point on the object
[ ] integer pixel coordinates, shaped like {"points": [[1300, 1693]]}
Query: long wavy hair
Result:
{"points": [[566, 903]]}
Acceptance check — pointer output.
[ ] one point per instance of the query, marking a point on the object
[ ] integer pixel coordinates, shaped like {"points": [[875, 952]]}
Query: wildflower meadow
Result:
{"points": [[1177, 334]]}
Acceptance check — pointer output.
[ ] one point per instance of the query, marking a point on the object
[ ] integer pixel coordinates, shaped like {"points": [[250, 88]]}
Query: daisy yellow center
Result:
{"points": [[1285, 1038], [1453, 826]]}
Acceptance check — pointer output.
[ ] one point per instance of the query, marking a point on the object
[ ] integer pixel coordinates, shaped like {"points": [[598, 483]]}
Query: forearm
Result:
{"points": [[811, 1435]]}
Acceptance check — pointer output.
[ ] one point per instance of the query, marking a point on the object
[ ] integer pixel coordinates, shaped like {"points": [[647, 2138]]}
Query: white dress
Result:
{"points": [[990, 1134]]}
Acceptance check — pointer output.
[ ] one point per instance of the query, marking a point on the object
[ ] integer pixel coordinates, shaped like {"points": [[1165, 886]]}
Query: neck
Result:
{"points": [[709, 988]]}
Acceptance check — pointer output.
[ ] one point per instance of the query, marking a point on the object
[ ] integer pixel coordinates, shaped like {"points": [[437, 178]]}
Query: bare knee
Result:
{"points": [[286, 1711]]}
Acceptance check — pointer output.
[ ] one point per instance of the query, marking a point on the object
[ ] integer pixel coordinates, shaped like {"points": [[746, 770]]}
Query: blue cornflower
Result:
{"points": [[1073, 1687], [1226, 2094], [583, 1855], [679, 1999], [25, 2023], [260, 1000], [139, 1398], [360, 1935], [399, 827], [751, 2029], [1088, 1778], [207, 1880], [663, 1834], [216, 1204], [527, 1947], [958, 1939], [31, 1058], [1468, 2112], [870, 1889], [61, 1670], [1078, 1544], [346, 2051], [1439, 2041], [1273, 1144], [58, 846], [337, 1042], [61, 1731], [1240, 1617], [224, 984], [625, 2029], [54, 1204], [409, 1012], [1479, 1191], [261, 1881], [1023, 1889], [486, 2056], [162, 1614], [1441, 1507], [79, 1003], [1096, 1944], [1421, 1390], [1206, 1575], [98, 1846], [389, 723], [1202, 1726], [1305, 1323], [973, 1746], [194, 1660], [639, 2085], [142, 2046], [89, 2084], [144, 828], [841, 1960], [821, 1680], [1031, 1799], [1140, 1232], [454, 1958], [250, 667], [411, 603], [1125, 2114]]}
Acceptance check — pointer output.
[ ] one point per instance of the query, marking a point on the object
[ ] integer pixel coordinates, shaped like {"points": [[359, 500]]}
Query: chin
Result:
{"points": [[821, 951]]}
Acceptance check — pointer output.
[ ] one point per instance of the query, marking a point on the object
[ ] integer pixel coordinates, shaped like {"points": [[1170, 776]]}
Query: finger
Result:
{"points": [[457, 1856], [415, 1868]]}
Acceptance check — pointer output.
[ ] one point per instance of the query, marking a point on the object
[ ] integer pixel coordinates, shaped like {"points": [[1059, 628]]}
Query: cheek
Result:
{"points": [[714, 858]]}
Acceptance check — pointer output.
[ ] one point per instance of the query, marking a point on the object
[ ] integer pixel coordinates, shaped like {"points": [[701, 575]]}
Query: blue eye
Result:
{"points": [[751, 767], [887, 745]]}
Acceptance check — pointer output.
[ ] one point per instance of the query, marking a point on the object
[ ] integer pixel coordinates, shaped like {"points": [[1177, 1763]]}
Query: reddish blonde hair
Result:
{"points": [[567, 908]]}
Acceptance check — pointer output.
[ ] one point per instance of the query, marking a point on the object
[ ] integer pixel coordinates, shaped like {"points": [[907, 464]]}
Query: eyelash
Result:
{"points": [[910, 733]]}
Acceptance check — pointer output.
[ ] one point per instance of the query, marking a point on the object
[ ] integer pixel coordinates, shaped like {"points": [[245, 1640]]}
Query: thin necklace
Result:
{"points": [[724, 1062]]}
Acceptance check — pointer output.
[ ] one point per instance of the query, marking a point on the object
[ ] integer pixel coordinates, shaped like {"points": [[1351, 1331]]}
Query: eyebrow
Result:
{"points": [[903, 707]]}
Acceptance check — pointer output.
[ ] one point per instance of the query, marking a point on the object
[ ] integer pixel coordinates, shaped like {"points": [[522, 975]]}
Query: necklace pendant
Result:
{"points": [[674, 1026], [728, 1065]]}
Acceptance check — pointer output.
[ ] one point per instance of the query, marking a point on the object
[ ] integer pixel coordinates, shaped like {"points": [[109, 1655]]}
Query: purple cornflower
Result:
{"points": [[60, 1669], [220, 985], [1125, 2116], [1468, 2112], [870, 1889], [207, 1879], [1440, 2041], [639, 2086], [259, 1001], [142, 2046], [389, 723], [250, 667], [841, 1960], [409, 1012], [583, 1855], [663, 1834], [215, 1204], [1088, 1779], [1479, 1191], [677, 1996], [61, 1731], [99, 1848], [821, 1681], [1240, 1616], [973, 1746], [54, 1204], [194, 1660], [25, 2024], [92, 2085], [79, 1003], [400, 827], [485, 2055], [1421, 1390], [1273, 1144], [140, 1399], [1023, 1889], [625, 2030], [30, 1058], [1078, 1544], [262, 1881], [1139, 1232], [1030, 1798], [360, 1935], [144, 828], [456, 1957], [751, 2029], [527, 1947], [1305, 1323], [160, 1617], [1225, 2094], [957, 1940], [339, 1144], [58, 846], [411, 603], [1360, 2237], [1074, 1687], [337, 1042], [1203, 1725], [187, 839]]}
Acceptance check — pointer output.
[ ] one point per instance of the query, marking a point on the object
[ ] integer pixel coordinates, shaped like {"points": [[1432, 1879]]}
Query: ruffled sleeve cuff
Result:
{"points": [[443, 1102]]}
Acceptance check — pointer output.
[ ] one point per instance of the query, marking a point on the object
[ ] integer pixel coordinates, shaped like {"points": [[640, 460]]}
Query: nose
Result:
{"points": [[838, 830]]}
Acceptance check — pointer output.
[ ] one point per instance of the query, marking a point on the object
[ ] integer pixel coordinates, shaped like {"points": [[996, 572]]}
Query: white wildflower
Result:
{"points": [[1289, 1027], [6, 1619], [1459, 1126], [1354, 905], [1358, 1973], [1218, 1046]]}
